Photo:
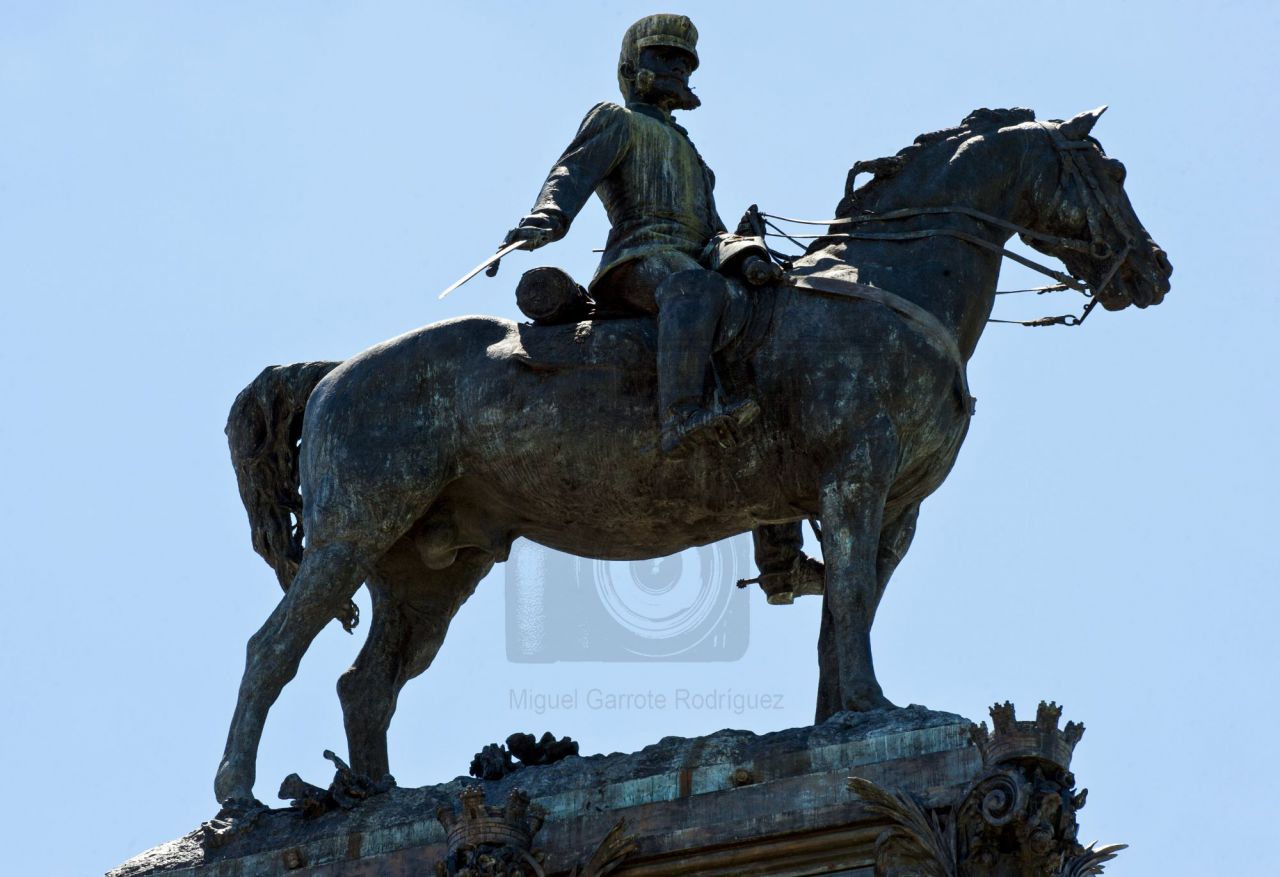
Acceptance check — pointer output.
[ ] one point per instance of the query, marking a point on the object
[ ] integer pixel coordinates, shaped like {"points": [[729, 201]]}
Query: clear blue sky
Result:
{"points": [[189, 192]]}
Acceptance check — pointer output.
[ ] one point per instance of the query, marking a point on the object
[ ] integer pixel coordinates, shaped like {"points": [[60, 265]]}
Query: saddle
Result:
{"points": [[629, 345], [567, 332]]}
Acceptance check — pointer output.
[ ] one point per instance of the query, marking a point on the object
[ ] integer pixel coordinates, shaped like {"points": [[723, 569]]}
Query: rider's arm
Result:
{"points": [[600, 143]]}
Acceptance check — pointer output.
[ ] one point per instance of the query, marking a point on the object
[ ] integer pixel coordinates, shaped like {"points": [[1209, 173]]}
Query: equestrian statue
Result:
{"points": [[700, 387]]}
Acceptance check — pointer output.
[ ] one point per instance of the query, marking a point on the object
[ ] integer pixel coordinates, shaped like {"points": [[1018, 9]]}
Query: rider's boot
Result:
{"points": [[786, 572], [690, 304]]}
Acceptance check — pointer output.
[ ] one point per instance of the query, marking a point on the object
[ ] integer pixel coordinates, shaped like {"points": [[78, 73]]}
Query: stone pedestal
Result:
{"points": [[732, 803]]}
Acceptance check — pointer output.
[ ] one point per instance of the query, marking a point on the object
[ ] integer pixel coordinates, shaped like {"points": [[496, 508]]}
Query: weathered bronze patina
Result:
{"points": [[423, 458]]}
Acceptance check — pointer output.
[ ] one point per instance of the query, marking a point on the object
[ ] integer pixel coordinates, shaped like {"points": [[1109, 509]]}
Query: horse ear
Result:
{"points": [[1079, 127]]}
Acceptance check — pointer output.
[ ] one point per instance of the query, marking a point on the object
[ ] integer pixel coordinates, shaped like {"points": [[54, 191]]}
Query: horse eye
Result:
{"points": [[1116, 170]]}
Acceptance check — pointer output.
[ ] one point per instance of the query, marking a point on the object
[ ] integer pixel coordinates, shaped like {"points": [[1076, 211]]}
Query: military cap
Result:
{"points": [[663, 29]]}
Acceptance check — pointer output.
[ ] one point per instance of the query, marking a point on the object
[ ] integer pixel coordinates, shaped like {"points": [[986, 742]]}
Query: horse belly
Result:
{"points": [[587, 476]]}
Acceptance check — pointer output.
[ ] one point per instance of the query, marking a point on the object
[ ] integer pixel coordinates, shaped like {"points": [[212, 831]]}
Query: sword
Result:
{"points": [[491, 263]]}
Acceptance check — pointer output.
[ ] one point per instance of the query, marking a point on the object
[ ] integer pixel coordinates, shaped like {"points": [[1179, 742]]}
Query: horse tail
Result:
{"points": [[264, 429]]}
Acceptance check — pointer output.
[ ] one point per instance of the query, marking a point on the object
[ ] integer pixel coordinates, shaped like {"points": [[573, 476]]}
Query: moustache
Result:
{"points": [[651, 86]]}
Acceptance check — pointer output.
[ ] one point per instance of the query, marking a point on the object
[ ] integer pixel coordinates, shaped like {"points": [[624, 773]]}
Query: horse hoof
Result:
{"points": [[237, 817], [869, 703]]}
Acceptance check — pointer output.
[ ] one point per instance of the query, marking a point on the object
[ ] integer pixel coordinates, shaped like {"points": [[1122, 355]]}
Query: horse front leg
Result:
{"points": [[853, 501], [895, 539]]}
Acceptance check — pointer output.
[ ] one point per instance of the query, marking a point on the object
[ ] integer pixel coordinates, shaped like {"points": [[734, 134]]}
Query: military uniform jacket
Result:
{"points": [[655, 187]]}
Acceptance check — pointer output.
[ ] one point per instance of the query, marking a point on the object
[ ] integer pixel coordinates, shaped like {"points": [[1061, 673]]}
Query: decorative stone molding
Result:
{"points": [[1016, 819], [489, 841], [723, 805]]}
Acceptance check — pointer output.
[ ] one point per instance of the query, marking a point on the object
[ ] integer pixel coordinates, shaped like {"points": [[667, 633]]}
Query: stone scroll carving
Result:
{"points": [[1017, 819]]}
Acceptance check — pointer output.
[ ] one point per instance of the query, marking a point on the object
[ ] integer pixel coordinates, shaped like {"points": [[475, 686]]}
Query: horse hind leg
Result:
{"points": [[412, 607], [328, 577]]}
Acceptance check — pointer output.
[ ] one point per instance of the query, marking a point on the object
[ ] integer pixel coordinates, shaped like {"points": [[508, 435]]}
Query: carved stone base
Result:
{"points": [[1016, 819], [732, 803]]}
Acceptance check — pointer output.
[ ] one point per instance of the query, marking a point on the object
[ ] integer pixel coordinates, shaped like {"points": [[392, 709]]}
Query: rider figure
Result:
{"points": [[665, 234], [666, 250]]}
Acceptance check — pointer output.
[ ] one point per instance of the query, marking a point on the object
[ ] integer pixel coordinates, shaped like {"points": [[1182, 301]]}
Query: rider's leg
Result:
{"points": [[689, 301], [785, 570], [690, 305], [630, 288], [777, 546]]}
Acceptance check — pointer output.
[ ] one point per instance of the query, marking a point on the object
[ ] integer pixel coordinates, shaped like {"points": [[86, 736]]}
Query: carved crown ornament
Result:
{"points": [[1016, 819], [486, 840], [1038, 740]]}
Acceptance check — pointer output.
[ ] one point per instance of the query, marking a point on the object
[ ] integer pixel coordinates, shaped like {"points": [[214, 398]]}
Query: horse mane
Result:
{"points": [[981, 121]]}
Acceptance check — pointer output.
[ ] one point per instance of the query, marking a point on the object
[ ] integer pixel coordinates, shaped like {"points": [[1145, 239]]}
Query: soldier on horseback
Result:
{"points": [[415, 464], [665, 236], [668, 251]]}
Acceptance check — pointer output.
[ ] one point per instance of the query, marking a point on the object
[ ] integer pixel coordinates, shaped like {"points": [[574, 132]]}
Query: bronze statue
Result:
{"points": [[423, 458], [658, 194]]}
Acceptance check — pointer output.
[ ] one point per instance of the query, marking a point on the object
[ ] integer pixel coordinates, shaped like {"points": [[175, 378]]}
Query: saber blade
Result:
{"points": [[485, 264]]}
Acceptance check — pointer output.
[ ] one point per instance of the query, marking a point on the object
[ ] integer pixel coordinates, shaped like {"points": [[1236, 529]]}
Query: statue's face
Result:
{"points": [[662, 78]]}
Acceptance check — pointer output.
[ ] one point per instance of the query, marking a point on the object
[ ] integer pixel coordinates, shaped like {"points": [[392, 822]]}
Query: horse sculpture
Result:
{"points": [[423, 458]]}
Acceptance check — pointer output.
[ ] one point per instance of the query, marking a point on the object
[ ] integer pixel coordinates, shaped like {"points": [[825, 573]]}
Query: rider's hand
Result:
{"points": [[759, 272], [537, 229]]}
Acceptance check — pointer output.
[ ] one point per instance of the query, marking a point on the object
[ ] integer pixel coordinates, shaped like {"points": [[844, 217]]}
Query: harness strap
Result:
{"points": [[1065, 279], [1071, 165], [925, 323], [909, 212]]}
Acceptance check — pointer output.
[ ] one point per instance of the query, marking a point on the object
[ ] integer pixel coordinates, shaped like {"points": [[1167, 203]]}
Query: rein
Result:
{"points": [[1096, 247]]}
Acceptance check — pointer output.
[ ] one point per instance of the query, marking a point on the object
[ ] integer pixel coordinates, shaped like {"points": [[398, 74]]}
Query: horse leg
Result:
{"points": [[329, 575], [412, 608], [853, 500], [895, 539]]}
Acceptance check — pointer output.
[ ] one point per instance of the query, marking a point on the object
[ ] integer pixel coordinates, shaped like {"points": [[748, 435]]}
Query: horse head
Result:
{"points": [[1084, 206], [998, 173]]}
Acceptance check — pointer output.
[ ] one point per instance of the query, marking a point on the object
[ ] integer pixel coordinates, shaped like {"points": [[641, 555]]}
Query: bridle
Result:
{"points": [[1073, 165]]}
